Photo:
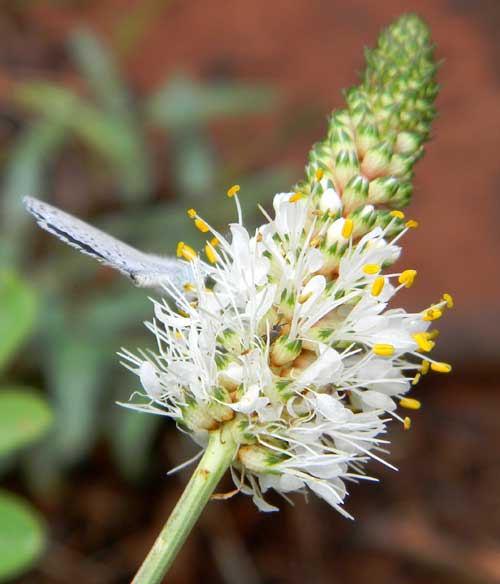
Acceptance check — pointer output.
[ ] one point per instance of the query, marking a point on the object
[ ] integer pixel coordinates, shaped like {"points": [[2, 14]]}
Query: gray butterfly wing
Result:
{"points": [[145, 270]]}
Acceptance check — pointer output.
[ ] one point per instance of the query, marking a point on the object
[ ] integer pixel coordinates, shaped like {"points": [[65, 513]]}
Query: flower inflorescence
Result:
{"points": [[285, 337]]}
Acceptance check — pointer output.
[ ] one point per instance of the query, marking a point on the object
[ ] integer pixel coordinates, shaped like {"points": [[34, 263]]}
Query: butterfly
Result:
{"points": [[145, 270]]}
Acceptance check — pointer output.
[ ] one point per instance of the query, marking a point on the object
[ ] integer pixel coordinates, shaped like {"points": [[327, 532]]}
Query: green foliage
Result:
{"points": [[17, 314], [22, 536], [24, 417]]}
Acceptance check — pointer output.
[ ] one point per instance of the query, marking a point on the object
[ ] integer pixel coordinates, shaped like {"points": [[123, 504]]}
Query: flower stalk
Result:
{"points": [[216, 459]]}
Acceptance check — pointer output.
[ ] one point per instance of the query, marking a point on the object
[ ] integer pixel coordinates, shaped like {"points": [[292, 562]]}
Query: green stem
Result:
{"points": [[215, 461]]}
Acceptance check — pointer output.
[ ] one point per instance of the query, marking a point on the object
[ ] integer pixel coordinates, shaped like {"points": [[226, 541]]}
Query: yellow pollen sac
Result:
{"points": [[407, 423], [211, 256], [315, 242], [185, 251], [416, 379], [423, 343], [233, 190], [320, 173], [188, 287], [183, 313], [425, 367], [432, 314], [214, 242], [178, 335], [304, 297], [397, 214], [378, 285], [296, 197], [433, 334], [407, 278], [411, 224], [449, 300], [347, 228], [410, 403], [383, 350], [192, 213], [441, 367], [201, 225], [371, 269]]}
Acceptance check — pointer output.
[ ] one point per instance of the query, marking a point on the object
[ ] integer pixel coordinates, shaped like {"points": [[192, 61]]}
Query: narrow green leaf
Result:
{"points": [[22, 536], [17, 314]]}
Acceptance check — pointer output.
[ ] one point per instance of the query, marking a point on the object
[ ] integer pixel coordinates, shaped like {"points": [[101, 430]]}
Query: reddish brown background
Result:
{"points": [[438, 519]]}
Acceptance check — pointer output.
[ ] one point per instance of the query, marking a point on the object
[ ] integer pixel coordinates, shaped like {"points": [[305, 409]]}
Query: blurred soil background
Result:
{"points": [[222, 92]]}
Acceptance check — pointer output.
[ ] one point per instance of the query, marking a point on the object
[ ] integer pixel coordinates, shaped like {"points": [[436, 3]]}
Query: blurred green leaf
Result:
{"points": [[131, 435], [100, 70], [76, 364], [193, 164], [113, 136], [182, 102], [17, 314], [24, 417], [22, 536]]}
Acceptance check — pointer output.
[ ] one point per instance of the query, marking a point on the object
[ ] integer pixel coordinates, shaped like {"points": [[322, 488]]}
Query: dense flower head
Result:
{"points": [[289, 337]]}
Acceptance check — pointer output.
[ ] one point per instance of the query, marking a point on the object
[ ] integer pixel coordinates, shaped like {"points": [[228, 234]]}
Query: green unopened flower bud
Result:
{"points": [[363, 220], [342, 139], [217, 409], [381, 190], [367, 137], [257, 458], [402, 196], [195, 417], [230, 341], [285, 350], [376, 161], [407, 143], [401, 164], [355, 193], [346, 166]]}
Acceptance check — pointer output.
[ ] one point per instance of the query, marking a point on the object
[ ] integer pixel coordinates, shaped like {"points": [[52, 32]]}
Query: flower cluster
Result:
{"points": [[286, 337]]}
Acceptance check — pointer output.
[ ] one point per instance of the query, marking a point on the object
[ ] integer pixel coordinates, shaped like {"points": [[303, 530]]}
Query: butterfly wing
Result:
{"points": [[143, 269]]}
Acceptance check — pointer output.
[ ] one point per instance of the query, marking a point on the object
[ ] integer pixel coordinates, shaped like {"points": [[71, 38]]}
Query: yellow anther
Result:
{"points": [[295, 197], [449, 300], [192, 213], [347, 228], [425, 367], [320, 173], [211, 256], [423, 342], [441, 367], [416, 379], [185, 251], [214, 242], [371, 269], [407, 278], [411, 224], [188, 287], [259, 237], [178, 335], [201, 225], [432, 314], [183, 313], [383, 350], [233, 190], [378, 285], [433, 334], [410, 403], [407, 423], [304, 297], [397, 214]]}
